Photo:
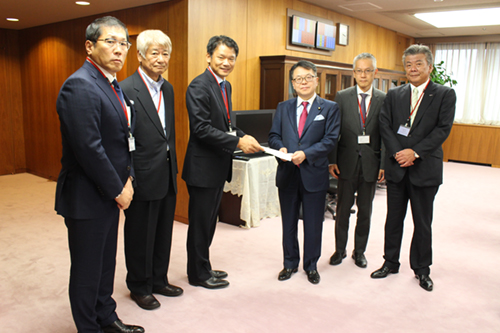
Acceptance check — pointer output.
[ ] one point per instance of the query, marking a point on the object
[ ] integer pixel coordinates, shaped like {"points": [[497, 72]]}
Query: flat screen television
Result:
{"points": [[303, 31], [256, 123], [325, 36]]}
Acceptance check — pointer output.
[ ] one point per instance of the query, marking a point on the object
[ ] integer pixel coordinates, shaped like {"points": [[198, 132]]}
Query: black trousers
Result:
{"points": [[313, 211], [345, 200], [148, 240], [203, 210], [92, 245], [422, 205]]}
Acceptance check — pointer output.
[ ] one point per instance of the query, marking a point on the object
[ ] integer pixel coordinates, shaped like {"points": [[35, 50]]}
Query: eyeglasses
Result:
{"points": [[366, 71], [111, 42], [299, 79]]}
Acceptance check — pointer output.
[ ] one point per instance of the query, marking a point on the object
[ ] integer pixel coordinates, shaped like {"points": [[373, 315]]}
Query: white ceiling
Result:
{"points": [[395, 15]]}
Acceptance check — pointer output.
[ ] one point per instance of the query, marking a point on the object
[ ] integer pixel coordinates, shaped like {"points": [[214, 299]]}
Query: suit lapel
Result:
{"points": [[354, 117], [144, 98], [103, 83], [375, 103], [216, 90]]}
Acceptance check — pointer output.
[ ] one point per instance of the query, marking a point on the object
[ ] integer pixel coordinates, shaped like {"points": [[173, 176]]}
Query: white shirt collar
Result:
{"points": [[310, 100], [420, 87], [156, 85], [108, 75], [368, 92]]}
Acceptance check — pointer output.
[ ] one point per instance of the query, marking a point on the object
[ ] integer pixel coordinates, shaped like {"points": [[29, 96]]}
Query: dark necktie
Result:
{"points": [[223, 88], [118, 90], [363, 109], [303, 118]]}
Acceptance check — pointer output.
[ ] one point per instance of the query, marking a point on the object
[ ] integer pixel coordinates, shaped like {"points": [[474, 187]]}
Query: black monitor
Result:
{"points": [[256, 123]]}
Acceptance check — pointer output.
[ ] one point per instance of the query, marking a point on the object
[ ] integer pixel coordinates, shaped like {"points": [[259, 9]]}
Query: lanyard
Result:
{"points": [[363, 119], [112, 87], [161, 93], [224, 98]]}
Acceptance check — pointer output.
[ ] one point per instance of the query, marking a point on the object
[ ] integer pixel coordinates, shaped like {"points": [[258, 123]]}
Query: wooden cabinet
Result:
{"points": [[275, 84]]}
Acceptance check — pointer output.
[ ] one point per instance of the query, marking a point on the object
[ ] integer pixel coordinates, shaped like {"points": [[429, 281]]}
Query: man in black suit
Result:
{"points": [[415, 120], [355, 162], [96, 175], [208, 162], [308, 127], [150, 217]]}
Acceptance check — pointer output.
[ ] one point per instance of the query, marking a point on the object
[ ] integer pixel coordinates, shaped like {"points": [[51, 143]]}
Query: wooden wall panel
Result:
{"points": [[12, 153], [473, 143]]}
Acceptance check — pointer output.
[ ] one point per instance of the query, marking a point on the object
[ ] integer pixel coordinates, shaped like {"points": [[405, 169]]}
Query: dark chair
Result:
{"points": [[331, 197]]}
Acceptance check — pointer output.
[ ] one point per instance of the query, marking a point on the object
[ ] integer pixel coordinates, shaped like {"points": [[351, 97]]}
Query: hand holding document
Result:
{"points": [[278, 154]]}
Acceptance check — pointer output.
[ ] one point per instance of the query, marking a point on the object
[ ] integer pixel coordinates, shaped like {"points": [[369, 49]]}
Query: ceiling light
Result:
{"points": [[12, 19], [82, 3], [462, 18]]}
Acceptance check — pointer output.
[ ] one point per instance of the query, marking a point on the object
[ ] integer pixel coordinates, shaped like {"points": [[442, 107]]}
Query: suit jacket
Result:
{"points": [[431, 127], [319, 137], [96, 161], [208, 161], [347, 151], [153, 169]]}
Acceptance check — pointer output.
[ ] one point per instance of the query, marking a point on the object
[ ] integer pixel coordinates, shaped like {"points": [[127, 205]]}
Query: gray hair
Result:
{"points": [[419, 49], [152, 37], [365, 55]]}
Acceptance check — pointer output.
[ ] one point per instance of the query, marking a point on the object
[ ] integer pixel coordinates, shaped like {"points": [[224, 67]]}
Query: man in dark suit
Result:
{"points": [[208, 162], [308, 127], [96, 175], [415, 120], [150, 217], [355, 162]]}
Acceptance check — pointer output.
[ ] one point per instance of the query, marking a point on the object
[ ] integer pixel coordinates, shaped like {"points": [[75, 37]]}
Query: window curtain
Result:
{"points": [[476, 67]]}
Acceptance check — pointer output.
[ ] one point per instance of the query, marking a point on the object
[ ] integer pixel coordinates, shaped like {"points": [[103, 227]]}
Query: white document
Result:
{"points": [[277, 153]]}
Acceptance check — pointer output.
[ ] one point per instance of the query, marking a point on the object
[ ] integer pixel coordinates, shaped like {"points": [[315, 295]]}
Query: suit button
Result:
{"points": [[299, 143], [128, 168]]}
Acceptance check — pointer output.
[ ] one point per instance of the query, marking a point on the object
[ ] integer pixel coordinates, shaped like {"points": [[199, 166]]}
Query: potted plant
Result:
{"points": [[438, 75]]}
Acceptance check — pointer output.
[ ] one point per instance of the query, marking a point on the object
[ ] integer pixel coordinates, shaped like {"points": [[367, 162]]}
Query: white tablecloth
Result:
{"points": [[254, 181]]}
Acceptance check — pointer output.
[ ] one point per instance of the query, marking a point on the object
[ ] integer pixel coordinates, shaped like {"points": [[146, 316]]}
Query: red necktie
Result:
{"points": [[303, 117]]}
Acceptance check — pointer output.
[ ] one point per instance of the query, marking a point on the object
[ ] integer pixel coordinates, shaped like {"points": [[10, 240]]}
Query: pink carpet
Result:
{"points": [[34, 263]]}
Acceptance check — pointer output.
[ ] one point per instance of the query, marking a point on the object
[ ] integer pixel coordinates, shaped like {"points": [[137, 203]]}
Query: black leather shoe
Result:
{"points": [[286, 273], [336, 258], [425, 282], [313, 276], [212, 283], [147, 302], [119, 327], [219, 274], [169, 290], [359, 259], [383, 271]]}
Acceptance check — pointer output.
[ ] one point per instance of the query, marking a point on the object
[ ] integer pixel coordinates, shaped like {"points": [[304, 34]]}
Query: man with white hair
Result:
{"points": [[149, 221]]}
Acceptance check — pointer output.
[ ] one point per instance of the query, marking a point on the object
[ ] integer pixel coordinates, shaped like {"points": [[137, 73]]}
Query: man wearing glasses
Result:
{"points": [[95, 181], [355, 162], [306, 127]]}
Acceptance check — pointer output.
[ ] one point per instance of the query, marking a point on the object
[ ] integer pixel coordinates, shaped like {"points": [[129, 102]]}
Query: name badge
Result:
{"points": [[363, 139], [131, 143], [233, 133], [404, 130]]}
